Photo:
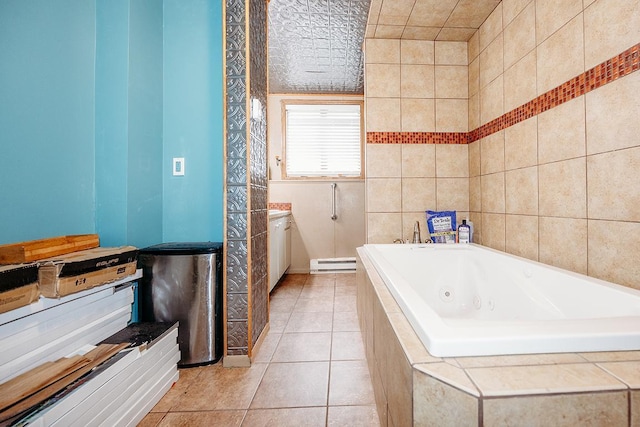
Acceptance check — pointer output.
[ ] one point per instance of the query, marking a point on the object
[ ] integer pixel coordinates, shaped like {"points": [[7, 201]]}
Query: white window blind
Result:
{"points": [[323, 140]]}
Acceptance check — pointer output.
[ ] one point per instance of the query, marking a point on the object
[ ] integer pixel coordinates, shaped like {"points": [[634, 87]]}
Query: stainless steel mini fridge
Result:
{"points": [[183, 282]]}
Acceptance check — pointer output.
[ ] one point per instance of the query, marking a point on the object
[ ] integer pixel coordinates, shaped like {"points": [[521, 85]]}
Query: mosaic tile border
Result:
{"points": [[619, 66], [417, 137], [280, 206]]}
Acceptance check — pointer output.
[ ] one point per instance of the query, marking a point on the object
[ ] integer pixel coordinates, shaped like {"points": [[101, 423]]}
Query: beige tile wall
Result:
{"points": [[414, 86], [566, 178], [562, 187]]}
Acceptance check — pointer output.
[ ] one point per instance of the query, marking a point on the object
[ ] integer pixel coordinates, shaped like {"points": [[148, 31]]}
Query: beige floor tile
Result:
{"points": [[353, 416], [291, 280], [187, 376], [303, 347], [345, 303], [211, 389], [287, 385], [284, 290], [314, 305], [345, 321], [345, 290], [289, 417], [345, 279], [317, 291], [291, 393], [278, 321], [321, 279], [283, 304], [309, 322], [350, 384], [152, 419], [267, 348], [203, 419], [347, 346]]}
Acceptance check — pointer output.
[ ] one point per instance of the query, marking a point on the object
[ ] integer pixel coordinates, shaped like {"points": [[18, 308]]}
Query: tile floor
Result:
{"points": [[310, 370]]}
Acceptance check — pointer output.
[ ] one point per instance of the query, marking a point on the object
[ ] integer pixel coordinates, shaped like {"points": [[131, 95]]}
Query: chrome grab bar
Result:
{"points": [[333, 201]]}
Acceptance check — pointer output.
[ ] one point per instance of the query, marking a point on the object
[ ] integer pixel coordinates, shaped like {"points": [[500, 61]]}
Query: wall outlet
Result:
{"points": [[178, 166]]}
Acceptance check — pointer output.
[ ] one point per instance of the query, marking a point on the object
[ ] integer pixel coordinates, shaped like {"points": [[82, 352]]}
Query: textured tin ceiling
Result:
{"points": [[315, 46]]}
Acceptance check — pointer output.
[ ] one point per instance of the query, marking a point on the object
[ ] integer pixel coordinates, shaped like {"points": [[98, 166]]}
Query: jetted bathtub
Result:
{"points": [[469, 300]]}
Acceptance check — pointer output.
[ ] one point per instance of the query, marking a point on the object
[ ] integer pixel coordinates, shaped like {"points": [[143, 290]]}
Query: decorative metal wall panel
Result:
{"points": [[237, 266], [237, 246], [246, 187], [237, 337], [315, 46], [238, 307], [236, 171], [258, 165], [236, 225], [237, 198]]}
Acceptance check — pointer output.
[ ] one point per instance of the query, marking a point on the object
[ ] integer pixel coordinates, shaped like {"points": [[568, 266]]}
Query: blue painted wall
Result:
{"points": [[96, 97], [129, 121], [47, 133], [112, 120], [193, 126], [144, 198]]}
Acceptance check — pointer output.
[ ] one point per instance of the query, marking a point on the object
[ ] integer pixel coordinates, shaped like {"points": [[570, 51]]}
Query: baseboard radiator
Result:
{"points": [[332, 265]]}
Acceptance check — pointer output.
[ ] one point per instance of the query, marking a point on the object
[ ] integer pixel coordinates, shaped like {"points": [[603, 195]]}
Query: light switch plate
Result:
{"points": [[178, 166]]}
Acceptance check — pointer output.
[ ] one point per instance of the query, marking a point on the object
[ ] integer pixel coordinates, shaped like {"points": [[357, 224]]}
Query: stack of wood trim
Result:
{"points": [[35, 250], [39, 384]]}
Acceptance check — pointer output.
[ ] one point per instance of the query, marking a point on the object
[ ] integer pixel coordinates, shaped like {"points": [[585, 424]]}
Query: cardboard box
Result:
{"points": [[82, 270], [35, 250], [18, 286]]}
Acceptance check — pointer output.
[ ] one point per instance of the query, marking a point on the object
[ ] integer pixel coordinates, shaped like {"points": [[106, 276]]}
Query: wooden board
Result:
{"points": [[31, 381], [95, 357], [35, 250]]}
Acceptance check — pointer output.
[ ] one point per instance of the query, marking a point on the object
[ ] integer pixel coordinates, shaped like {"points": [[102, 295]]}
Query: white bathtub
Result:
{"points": [[468, 300]]}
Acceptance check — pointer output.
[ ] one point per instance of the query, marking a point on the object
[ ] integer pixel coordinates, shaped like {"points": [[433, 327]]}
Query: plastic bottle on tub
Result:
{"points": [[470, 224], [464, 232]]}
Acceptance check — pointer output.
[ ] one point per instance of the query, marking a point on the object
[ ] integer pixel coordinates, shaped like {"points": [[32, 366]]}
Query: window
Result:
{"points": [[322, 140]]}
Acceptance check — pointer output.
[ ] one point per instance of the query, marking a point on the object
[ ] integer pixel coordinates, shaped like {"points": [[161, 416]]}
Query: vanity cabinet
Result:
{"points": [[279, 245]]}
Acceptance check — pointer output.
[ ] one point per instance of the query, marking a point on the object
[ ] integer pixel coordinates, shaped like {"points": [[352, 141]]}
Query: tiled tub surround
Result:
{"points": [[416, 91], [414, 388], [553, 144], [619, 66], [556, 179], [470, 300]]}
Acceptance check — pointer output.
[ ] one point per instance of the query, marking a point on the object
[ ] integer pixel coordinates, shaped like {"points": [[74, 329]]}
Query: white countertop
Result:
{"points": [[275, 213]]}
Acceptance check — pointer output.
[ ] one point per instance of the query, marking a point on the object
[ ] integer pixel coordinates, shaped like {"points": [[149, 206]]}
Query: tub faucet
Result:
{"points": [[416, 232]]}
